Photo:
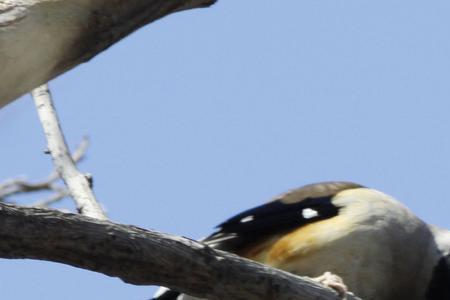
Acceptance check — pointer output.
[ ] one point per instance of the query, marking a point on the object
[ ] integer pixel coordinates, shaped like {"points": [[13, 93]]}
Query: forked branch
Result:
{"points": [[78, 184]]}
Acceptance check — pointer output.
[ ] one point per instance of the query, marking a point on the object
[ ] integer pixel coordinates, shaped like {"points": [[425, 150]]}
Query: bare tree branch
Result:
{"points": [[16, 186], [77, 156], [77, 183], [64, 33], [144, 257], [68, 33], [54, 198]]}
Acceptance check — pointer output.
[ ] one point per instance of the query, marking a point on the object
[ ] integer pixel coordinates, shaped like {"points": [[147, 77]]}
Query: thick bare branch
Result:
{"points": [[77, 183], [64, 33], [144, 257]]}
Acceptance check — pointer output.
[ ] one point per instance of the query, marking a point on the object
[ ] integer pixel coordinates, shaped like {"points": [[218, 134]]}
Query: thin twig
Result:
{"points": [[77, 183], [16, 186], [58, 196]]}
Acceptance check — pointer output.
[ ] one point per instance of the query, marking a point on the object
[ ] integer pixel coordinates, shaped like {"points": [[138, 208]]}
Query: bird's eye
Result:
{"points": [[247, 219], [309, 213]]}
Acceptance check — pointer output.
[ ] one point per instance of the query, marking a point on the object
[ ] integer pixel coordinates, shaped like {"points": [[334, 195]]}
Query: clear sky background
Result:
{"points": [[209, 112]]}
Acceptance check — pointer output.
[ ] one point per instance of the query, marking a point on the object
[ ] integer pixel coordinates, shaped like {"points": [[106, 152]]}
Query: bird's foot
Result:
{"points": [[334, 282]]}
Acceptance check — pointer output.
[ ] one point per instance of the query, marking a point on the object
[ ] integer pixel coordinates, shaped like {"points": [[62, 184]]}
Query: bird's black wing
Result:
{"points": [[291, 210]]}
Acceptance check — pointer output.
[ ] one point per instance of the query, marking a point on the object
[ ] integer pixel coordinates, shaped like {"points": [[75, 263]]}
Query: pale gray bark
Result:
{"points": [[77, 183], [40, 39], [145, 257]]}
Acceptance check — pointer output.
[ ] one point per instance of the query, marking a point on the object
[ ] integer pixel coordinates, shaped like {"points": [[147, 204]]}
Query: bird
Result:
{"points": [[374, 243]]}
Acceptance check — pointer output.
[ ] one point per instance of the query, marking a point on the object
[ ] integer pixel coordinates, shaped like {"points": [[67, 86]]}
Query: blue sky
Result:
{"points": [[209, 112]]}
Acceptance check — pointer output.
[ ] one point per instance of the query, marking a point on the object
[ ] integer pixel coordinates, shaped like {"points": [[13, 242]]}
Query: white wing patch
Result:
{"points": [[160, 291], [309, 213], [247, 219]]}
